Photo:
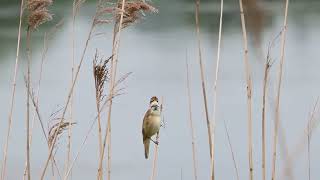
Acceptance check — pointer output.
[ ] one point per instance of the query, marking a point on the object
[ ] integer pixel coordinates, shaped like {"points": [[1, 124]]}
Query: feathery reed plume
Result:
{"points": [[204, 93], [215, 88], [155, 158], [57, 128], [191, 123], [277, 108], [38, 12], [249, 89], [264, 98], [6, 145], [132, 12], [100, 74]]}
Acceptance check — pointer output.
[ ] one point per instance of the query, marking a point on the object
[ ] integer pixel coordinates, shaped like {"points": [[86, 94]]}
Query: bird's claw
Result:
{"points": [[155, 142]]}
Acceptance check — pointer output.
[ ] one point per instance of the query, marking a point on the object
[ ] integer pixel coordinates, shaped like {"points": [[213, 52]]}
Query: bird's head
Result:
{"points": [[154, 103]]}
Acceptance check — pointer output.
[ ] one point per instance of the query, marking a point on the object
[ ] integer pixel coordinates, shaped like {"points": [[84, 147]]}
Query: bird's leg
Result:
{"points": [[155, 142], [157, 137]]}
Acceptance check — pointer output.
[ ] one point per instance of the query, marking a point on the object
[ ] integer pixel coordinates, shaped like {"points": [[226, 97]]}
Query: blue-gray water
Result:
{"points": [[154, 51]]}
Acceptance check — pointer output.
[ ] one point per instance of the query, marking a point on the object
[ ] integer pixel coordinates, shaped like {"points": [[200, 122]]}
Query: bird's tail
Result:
{"points": [[146, 143]]}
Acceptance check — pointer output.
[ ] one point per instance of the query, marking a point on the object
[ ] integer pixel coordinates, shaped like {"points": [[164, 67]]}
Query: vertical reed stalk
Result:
{"points": [[115, 49], [277, 110], [100, 169], [264, 98], [72, 78], [155, 160], [45, 49], [197, 9], [191, 123], [13, 92], [309, 165], [28, 100], [215, 87], [249, 89], [156, 149], [231, 150]]}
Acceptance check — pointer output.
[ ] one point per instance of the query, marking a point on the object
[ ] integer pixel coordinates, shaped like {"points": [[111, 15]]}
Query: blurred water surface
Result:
{"points": [[154, 50]]}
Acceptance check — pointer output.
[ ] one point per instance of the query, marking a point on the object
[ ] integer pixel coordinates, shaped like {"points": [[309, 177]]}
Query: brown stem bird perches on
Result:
{"points": [[151, 124]]}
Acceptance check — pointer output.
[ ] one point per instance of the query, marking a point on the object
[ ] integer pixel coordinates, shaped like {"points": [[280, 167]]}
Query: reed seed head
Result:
{"points": [[38, 12], [133, 12]]}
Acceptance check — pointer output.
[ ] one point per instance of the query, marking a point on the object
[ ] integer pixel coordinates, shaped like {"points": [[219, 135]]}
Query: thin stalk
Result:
{"points": [[277, 110], [264, 99], [28, 100], [197, 9], [67, 164], [309, 165], [13, 92], [45, 49], [156, 147], [231, 150], [249, 89], [115, 50], [215, 87], [191, 124], [100, 172], [155, 160]]}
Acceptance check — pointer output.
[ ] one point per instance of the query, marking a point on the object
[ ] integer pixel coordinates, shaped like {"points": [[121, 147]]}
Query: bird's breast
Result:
{"points": [[154, 124]]}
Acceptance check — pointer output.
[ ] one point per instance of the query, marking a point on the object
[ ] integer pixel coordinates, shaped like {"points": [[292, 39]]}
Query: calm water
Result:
{"points": [[154, 51]]}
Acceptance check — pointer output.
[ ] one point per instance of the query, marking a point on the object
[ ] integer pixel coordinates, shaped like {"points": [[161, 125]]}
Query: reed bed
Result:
{"points": [[123, 14]]}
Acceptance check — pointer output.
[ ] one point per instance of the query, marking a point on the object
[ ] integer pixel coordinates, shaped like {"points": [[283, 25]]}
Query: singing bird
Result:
{"points": [[151, 124]]}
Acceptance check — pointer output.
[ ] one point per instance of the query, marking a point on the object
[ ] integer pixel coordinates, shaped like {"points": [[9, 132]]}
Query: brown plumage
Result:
{"points": [[151, 124]]}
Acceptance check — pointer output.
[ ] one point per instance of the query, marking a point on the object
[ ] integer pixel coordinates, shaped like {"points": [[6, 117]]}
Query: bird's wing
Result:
{"points": [[144, 122]]}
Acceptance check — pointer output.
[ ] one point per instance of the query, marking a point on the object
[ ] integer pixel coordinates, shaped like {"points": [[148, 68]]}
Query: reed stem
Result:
{"points": [[204, 93], [191, 123], [277, 110], [249, 89], [13, 92]]}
